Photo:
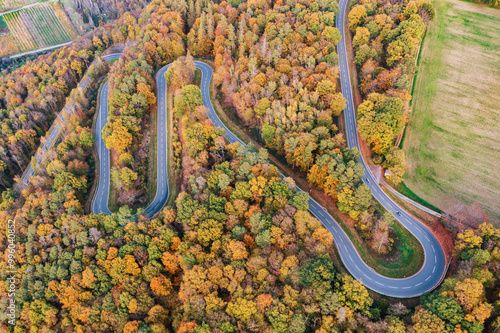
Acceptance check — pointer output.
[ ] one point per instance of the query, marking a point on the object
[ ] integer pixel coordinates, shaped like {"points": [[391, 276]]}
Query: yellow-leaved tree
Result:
{"points": [[116, 136]]}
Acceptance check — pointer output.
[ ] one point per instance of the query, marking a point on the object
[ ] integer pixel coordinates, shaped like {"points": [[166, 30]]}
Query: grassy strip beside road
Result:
{"points": [[152, 172], [409, 262], [113, 207], [197, 77], [172, 175], [407, 206], [412, 253], [404, 190]]}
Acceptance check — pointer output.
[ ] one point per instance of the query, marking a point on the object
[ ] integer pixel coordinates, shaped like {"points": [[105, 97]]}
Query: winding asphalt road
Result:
{"points": [[55, 130], [100, 200], [434, 267], [101, 196]]}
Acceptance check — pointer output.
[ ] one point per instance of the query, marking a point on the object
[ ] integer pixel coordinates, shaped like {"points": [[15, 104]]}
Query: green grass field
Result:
{"points": [[452, 143]]}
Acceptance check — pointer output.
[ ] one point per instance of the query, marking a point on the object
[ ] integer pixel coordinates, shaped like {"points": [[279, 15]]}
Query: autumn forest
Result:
{"points": [[235, 249]]}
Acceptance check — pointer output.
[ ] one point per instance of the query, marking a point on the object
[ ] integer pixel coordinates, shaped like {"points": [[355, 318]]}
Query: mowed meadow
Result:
{"points": [[35, 27], [452, 143]]}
